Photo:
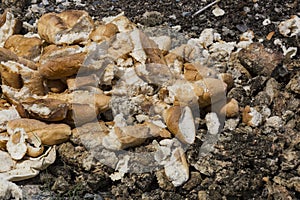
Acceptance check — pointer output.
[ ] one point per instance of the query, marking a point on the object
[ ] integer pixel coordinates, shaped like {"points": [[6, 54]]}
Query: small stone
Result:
{"points": [[172, 17], [186, 14], [274, 122], [231, 109], [294, 84], [177, 169], [259, 60], [247, 36], [202, 195], [242, 27], [290, 27], [251, 116], [206, 37], [45, 2], [266, 22], [218, 11], [212, 123], [231, 124]]}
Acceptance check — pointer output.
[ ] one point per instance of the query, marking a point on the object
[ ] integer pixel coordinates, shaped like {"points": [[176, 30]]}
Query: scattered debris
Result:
{"points": [[205, 7], [218, 11], [118, 86], [290, 27]]}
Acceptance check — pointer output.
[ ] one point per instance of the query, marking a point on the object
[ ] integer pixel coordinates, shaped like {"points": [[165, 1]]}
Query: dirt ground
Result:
{"points": [[249, 162]]}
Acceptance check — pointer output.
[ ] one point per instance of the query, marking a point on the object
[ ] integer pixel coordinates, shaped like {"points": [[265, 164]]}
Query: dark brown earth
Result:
{"points": [[248, 163]]}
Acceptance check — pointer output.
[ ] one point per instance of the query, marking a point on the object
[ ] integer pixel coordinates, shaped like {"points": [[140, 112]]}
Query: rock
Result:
{"points": [[274, 122], [123, 23], [231, 124], [82, 135], [104, 32], [59, 62], [290, 27], [212, 123], [207, 37], [231, 109], [177, 169], [251, 116], [124, 137], [16, 145], [202, 195], [259, 60], [218, 11], [294, 84], [163, 42]]}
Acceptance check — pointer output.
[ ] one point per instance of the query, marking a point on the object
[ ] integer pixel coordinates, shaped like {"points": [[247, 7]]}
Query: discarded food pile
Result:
{"points": [[107, 86]]}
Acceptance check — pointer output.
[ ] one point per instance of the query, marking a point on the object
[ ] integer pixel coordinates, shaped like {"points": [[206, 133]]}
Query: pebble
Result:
{"points": [[231, 124], [172, 17], [290, 27], [92, 196], [45, 2], [259, 60], [274, 122], [294, 84], [252, 117], [195, 28], [212, 123], [242, 27], [186, 14], [266, 22], [218, 12]]}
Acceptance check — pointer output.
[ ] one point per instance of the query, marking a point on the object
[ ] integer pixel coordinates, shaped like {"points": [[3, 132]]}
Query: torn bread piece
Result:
{"points": [[26, 47], [9, 25], [180, 122], [49, 134], [68, 27]]}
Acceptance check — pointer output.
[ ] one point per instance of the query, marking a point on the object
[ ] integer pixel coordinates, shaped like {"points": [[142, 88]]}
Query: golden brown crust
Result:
{"points": [[46, 109], [104, 32], [191, 73], [6, 55], [50, 134], [55, 86], [68, 27], [171, 117], [11, 78], [57, 63], [29, 48]]}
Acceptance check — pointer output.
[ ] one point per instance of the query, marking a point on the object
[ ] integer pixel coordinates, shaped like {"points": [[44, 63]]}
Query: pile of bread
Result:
{"points": [[76, 72]]}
